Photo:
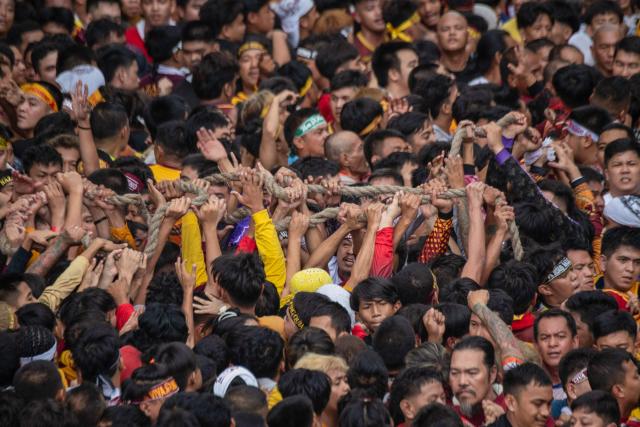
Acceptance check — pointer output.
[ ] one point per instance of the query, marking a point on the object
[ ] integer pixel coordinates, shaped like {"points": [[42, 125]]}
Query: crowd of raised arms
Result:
{"points": [[319, 213]]}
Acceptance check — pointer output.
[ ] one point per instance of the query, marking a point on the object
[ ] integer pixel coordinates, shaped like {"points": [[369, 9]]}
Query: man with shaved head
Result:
{"points": [[452, 38], [604, 48], [346, 149]]}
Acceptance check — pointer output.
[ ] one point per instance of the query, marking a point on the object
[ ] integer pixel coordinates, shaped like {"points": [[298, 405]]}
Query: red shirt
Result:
{"points": [[478, 419]]}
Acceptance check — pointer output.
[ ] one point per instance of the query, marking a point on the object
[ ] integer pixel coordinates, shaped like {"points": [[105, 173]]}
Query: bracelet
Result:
{"points": [[98, 221], [84, 127]]}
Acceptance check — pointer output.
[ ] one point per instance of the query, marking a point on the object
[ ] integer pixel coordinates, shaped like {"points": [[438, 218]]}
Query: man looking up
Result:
{"points": [[452, 38], [621, 263]]}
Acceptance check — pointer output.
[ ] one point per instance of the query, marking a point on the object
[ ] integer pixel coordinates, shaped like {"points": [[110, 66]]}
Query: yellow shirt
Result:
{"points": [[269, 248], [164, 173], [192, 247], [511, 27]]}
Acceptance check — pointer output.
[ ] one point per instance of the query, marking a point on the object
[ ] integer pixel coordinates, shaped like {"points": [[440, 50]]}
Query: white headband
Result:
{"points": [[47, 355]]}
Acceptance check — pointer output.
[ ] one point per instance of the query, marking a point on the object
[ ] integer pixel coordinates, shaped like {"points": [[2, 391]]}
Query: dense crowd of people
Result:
{"points": [[306, 213]]}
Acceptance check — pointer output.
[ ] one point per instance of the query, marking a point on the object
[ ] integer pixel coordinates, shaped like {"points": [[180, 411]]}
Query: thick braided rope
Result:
{"points": [[460, 134]]}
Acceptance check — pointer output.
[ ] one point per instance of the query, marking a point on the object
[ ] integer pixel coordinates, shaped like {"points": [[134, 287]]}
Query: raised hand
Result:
{"points": [[434, 322], [518, 124], [251, 196], [298, 225], [211, 212], [186, 276], [454, 171], [409, 205], [503, 214], [71, 182], [178, 208], [81, 107], [480, 296], [475, 191], [210, 146]]}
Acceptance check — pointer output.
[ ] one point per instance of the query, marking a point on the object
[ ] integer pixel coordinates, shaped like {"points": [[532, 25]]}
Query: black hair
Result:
{"points": [[447, 268], [340, 319], [125, 415], [573, 362], [107, 120], [159, 323], [85, 403], [529, 13], [614, 92], [565, 13], [605, 368], [256, 348], [241, 276], [294, 120], [43, 412], [142, 380], [472, 103], [409, 384], [457, 290], [42, 154], [436, 414], [36, 314], [456, 320], [358, 113], [375, 140], [620, 146], [208, 410], [395, 161], [171, 136], [99, 31], [397, 12], [478, 343], [368, 372], [435, 90], [18, 29], [348, 78], [165, 288], [414, 314], [602, 7], [613, 321], [269, 302], [11, 406], [178, 359], [9, 358], [245, 399], [518, 378], [219, 13], [196, 31], [630, 44], [163, 109], [292, 411], [367, 412], [600, 402], [111, 178], [87, 300], [215, 349], [386, 173], [308, 340], [592, 117], [385, 58], [276, 84], [408, 123], [334, 55], [111, 58], [613, 126], [588, 304], [373, 288], [589, 173], [490, 43], [295, 71], [37, 380], [73, 56], [555, 313], [428, 52], [58, 15], [200, 164], [414, 283], [616, 237], [53, 124], [393, 339], [306, 382], [519, 280], [97, 352], [574, 84]]}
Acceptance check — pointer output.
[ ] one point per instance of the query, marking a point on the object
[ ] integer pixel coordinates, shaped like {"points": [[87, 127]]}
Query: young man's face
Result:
{"points": [[408, 61], [7, 14], [583, 332], [430, 392], [157, 12], [581, 417], [621, 268], [249, 64], [626, 64], [597, 188], [19, 67], [312, 142], [369, 15], [604, 49], [390, 145], [193, 51], [340, 97], [607, 137], [107, 10], [477, 329], [561, 288], [608, 18], [554, 340], [324, 323], [234, 32], [583, 267], [631, 383], [30, 111], [339, 387], [452, 33], [264, 19], [22, 297], [620, 339], [531, 406], [430, 11], [623, 173], [470, 379], [345, 256], [191, 12], [373, 312], [540, 29], [70, 158], [128, 79], [47, 68], [42, 174], [30, 37], [423, 137]]}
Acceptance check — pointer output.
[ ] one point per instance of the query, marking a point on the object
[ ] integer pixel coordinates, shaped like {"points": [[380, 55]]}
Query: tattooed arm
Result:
{"points": [[51, 255], [511, 348]]}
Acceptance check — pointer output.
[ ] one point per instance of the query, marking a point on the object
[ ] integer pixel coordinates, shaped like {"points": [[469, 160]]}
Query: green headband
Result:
{"points": [[309, 124]]}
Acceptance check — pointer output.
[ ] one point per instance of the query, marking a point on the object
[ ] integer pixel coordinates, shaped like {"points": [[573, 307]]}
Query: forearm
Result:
{"points": [[463, 225], [192, 246], [321, 256], [362, 265], [476, 251], [268, 151], [293, 261], [509, 345], [163, 236], [88, 150], [74, 210], [187, 309], [281, 53], [313, 238], [50, 256], [101, 222], [212, 244], [401, 227], [492, 254]]}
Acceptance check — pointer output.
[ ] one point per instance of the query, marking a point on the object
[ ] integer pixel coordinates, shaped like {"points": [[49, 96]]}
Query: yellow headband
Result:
{"points": [[398, 32], [3, 143], [294, 316], [371, 126], [163, 390], [249, 46], [306, 87], [42, 93]]}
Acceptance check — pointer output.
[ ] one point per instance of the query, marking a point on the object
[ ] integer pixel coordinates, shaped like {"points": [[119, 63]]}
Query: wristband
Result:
{"points": [[538, 170], [98, 221], [447, 215], [54, 228], [469, 169], [83, 127]]}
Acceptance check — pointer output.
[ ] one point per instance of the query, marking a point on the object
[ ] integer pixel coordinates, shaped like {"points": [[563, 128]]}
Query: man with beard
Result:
{"points": [[472, 374], [527, 395]]}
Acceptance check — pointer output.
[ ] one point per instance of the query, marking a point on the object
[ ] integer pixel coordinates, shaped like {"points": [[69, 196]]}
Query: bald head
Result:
{"points": [[452, 17], [606, 30], [452, 32], [340, 143], [604, 47]]}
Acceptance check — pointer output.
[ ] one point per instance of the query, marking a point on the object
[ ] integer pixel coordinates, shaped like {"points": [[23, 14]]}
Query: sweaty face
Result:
{"points": [[30, 111], [532, 405], [373, 312], [369, 15], [584, 269], [619, 339], [626, 64], [554, 340], [540, 29], [452, 32], [157, 12], [623, 173], [345, 256], [621, 268], [470, 379]]}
